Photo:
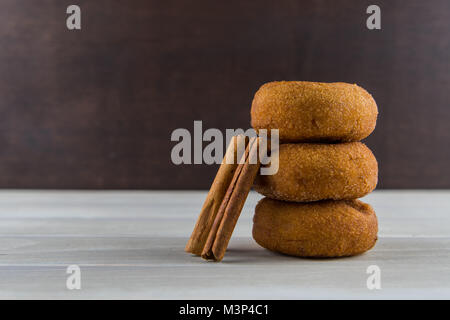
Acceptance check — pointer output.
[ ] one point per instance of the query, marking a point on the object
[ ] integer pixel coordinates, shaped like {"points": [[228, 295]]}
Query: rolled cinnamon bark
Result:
{"points": [[211, 206], [232, 204]]}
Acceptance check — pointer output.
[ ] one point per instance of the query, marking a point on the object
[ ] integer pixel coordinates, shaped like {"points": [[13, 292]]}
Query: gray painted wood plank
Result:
{"points": [[130, 245]]}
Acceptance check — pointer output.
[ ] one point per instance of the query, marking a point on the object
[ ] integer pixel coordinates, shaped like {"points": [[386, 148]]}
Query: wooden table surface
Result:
{"points": [[130, 245]]}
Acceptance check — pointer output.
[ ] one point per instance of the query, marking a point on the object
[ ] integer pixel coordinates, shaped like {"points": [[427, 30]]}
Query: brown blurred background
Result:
{"points": [[95, 108]]}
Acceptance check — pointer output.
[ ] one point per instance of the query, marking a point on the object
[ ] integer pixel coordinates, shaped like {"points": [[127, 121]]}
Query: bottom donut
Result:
{"points": [[323, 229]]}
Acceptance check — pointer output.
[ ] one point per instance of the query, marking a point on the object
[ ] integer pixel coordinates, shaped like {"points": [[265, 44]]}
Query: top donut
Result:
{"points": [[314, 111]]}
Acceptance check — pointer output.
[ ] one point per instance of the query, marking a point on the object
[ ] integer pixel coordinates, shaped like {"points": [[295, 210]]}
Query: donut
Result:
{"points": [[315, 171], [318, 229], [314, 111]]}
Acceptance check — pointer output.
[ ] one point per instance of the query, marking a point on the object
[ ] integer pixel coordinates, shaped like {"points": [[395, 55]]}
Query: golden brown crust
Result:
{"points": [[314, 111], [319, 229], [312, 171]]}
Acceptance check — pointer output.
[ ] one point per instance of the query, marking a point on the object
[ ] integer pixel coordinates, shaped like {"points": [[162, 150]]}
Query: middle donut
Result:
{"points": [[314, 171]]}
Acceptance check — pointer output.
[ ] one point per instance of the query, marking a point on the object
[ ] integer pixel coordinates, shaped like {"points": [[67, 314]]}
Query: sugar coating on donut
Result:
{"points": [[315, 171], [314, 111], [319, 229]]}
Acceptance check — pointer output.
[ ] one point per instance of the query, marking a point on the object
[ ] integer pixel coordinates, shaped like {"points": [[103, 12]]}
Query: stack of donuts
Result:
{"points": [[310, 207]]}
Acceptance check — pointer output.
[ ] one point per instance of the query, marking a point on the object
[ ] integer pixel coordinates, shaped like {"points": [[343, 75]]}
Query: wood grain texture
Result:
{"points": [[95, 108], [129, 245]]}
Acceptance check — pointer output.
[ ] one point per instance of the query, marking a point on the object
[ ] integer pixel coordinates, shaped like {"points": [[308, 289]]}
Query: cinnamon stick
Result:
{"points": [[215, 196], [232, 204]]}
